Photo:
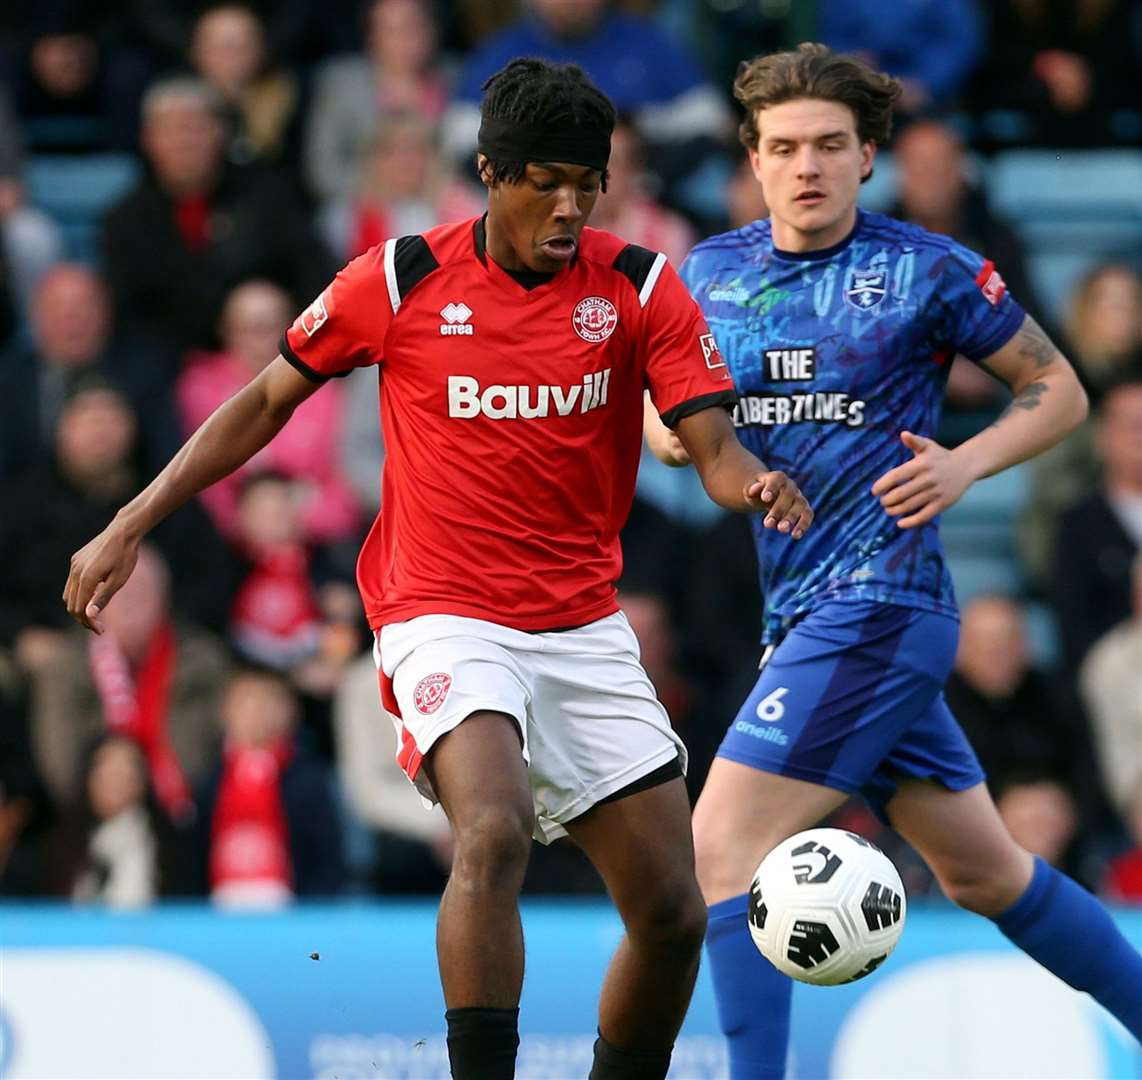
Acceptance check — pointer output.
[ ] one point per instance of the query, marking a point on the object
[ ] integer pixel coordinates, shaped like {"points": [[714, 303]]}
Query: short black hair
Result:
{"points": [[535, 92]]}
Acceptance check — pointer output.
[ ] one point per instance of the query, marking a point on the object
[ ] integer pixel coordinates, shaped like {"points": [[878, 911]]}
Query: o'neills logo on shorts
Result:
{"points": [[430, 692]]}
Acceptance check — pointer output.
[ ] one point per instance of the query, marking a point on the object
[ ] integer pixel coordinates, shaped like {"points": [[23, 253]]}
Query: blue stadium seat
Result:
{"points": [[975, 575], [78, 191], [878, 193], [1065, 186], [1073, 209], [978, 535]]}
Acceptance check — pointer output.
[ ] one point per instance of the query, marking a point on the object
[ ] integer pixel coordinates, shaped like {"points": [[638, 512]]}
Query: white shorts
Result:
{"points": [[587, 712]]}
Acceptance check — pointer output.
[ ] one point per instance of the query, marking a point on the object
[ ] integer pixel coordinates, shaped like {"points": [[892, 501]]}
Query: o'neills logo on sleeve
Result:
{"points": [[467, 399]]}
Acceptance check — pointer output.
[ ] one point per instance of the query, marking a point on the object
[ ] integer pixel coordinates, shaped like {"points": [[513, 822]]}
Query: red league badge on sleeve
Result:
{"points": [[314, 317], [430, 692], [710, 352], [990, 283]]}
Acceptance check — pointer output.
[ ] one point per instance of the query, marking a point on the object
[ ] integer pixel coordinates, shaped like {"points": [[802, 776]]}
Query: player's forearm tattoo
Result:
{"points": [[1028, 398], [1035, 345]]}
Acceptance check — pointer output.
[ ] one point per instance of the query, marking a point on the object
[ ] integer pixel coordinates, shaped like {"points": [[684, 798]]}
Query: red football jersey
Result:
{"points": [[512, 417]]}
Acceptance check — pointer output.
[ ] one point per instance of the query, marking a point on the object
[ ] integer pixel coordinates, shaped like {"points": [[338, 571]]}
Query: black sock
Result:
{"points": [[482, 1043], [611, 1063]]}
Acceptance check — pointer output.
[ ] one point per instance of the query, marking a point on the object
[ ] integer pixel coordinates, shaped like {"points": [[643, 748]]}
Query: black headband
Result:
{"points": [[509, 140]]}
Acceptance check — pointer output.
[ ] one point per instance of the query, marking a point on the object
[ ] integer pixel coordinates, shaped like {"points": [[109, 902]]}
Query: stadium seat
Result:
{"points": [[1067, 186], [878, 193], [77, 192], [1073, 209]]}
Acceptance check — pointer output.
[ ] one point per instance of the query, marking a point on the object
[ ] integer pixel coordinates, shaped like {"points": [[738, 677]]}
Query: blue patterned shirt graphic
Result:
{"points": [[834, 353]]}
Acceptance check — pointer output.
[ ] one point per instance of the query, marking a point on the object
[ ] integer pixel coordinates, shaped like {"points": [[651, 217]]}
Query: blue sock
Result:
{"points": [[1064, 928], [753, 996]]}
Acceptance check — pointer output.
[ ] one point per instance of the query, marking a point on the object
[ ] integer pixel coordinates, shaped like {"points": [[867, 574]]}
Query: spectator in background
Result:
{"points": [[50, 510], [196, 226], [259, 102], [745, 200], [931, 46], [1100, 535], [935, 191], [398, 75], [75, 90], [124, 851], [403, 187], [275, 619], [71, 340], [25, 812], [1124, 875], [279, 617], [1104, 326], [29, 240], [645, 72], [1067, 69], [1030, 744], [1111, 684], [267, 827], [148, 678], [627, 207], [412, 846], [164, 29], [1104, 336], [253, 319]]}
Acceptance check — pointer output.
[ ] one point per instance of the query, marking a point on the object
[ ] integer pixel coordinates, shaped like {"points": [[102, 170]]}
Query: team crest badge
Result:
{"points": [[594, 318], [430, 692], [865, 289]]}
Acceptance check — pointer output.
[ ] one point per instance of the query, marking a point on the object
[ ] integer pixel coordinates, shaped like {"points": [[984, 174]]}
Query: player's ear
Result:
{"points": [[867, 157], [755, 161], [484, 170]]}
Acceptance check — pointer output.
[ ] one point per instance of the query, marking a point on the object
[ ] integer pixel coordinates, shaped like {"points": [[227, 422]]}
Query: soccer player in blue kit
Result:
{"points": [[839, 327]]}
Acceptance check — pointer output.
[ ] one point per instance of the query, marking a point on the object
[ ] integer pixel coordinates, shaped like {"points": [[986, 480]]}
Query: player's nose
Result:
{"points": [[808, 164], [567, 204]]}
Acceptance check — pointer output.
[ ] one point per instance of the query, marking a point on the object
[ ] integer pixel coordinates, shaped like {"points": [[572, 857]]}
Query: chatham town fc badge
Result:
{"points": [[430, 692], [594, 318]]}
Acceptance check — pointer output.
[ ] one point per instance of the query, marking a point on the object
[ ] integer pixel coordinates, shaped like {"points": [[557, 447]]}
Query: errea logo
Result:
{"points": [[456, 318]]}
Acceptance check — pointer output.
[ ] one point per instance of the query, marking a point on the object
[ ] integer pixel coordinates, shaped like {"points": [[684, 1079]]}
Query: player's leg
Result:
{"points": [[981, 868], [479, 775], [742, 815], [641, 846], [829, 706]]}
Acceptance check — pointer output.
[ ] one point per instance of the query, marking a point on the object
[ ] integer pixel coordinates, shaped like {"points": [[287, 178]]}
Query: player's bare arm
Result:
{"points": [[663, 443], [232, 435], [1048, 403], [737, 480]]}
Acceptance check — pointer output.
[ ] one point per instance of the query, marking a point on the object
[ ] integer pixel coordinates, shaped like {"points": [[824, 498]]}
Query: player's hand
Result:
{"points": [[787, 510], [98, 572], [918, 490]]}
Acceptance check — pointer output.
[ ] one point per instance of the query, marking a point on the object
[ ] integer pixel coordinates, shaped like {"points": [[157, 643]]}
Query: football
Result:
{"points": [[826, 907]]}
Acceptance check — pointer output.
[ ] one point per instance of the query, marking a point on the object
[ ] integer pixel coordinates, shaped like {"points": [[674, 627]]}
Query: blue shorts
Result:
{"points": [[853, 699]]}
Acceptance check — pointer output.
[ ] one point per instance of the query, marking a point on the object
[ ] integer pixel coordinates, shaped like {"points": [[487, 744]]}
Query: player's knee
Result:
{"points": [[673, 920], [974, 890], [491, 850], [723, 866]]}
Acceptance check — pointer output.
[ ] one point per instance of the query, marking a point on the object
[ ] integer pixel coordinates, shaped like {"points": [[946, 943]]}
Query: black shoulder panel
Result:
{"points": [[634, 262], [413, 261]]}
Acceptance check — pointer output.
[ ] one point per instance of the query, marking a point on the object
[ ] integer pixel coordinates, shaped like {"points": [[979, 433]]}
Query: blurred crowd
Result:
{"points": [[224, 737]]}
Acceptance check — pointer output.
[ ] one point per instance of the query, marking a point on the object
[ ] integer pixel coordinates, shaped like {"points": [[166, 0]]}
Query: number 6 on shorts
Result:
{"points": [[770, 707]]}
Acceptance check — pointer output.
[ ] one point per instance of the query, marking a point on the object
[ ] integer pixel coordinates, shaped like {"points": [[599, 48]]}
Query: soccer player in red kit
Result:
{"points": [[513, 352]]}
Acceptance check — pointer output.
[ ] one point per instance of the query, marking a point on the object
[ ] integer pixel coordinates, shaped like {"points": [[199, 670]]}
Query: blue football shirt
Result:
{"points": [[834, 353]]}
